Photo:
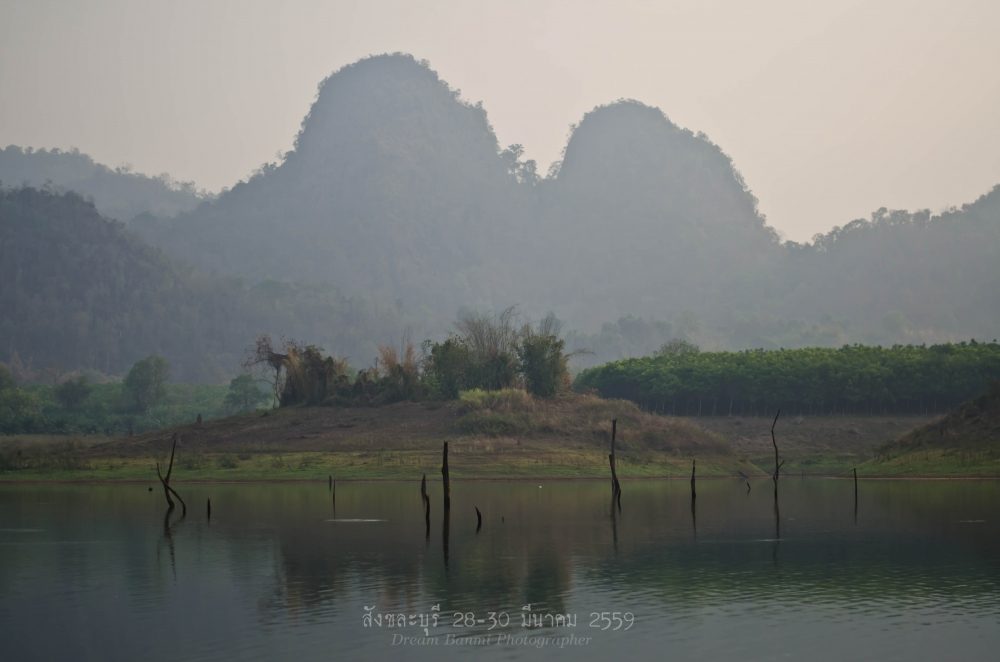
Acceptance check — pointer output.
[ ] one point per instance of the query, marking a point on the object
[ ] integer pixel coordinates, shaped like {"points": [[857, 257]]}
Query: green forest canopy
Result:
{"points": [[852, 379]]}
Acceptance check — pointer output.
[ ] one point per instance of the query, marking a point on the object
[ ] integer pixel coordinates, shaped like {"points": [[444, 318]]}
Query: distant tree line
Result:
{"points": [[904, 379], [143, 400], [487, 351]]}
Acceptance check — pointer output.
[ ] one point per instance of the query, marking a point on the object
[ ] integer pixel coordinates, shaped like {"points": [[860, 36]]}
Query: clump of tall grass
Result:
{"points": [[502, 400]]}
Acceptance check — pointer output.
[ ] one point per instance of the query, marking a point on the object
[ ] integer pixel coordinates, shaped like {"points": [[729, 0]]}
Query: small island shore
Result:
{"points": [[562, 438]]}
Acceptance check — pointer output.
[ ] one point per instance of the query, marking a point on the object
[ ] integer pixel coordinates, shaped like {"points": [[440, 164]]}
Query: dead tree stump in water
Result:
{"points": [[694, 493], [616, 488], [614, 432], [427, 506], [165, 481], [445, 478]]}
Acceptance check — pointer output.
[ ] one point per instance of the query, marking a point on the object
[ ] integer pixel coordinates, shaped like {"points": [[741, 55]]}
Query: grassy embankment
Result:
{"points": [[965, 442], [510, 436], [489, 437], [814, 445]]}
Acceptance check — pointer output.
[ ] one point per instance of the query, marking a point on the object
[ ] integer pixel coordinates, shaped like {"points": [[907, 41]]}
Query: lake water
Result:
{"points": [[282, 571]]}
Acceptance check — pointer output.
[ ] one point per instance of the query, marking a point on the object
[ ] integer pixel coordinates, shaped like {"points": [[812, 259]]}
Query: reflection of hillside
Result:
{"points": [[551, 540], [910, 542], [392, 565], [552, 546], [270, 576]]}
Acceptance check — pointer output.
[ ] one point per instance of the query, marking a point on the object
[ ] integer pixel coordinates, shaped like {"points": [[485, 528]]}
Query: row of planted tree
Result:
{"points": [[486, 351], [854, 379]]}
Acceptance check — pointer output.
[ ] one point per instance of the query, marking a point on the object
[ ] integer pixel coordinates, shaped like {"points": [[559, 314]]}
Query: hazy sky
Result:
{"points": [[829, 109]]}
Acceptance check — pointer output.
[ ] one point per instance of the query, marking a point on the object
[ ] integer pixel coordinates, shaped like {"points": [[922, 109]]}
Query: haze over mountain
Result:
{"points": [[395, 190], [80, 293], [398, 190], [398, 199], [119, 194]]}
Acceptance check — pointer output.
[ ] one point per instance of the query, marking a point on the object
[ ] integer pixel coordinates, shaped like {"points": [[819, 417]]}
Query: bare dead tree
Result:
{"points": [[489, 334], [777, 464], [263, 353], [165, 481]]}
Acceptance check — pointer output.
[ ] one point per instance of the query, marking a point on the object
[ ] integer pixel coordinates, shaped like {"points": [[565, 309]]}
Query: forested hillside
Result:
{"points": [[903, 277], [397, 191], [646, 218], [119, 194], [398, 196], [78, 292]]}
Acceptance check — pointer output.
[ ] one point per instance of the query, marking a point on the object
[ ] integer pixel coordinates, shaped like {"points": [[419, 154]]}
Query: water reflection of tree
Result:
{"points": [[544, 549]]}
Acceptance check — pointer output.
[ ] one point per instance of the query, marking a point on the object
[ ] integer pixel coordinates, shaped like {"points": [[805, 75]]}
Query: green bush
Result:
{"points": [[543, 364], [503, 400], [226, 462]]}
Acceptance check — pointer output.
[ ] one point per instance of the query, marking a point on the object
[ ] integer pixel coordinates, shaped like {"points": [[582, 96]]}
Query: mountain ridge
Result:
{"points": [[398, 194]]}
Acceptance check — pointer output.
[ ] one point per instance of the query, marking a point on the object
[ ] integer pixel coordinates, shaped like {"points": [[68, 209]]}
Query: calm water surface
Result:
{"points": [[286, 572]]}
